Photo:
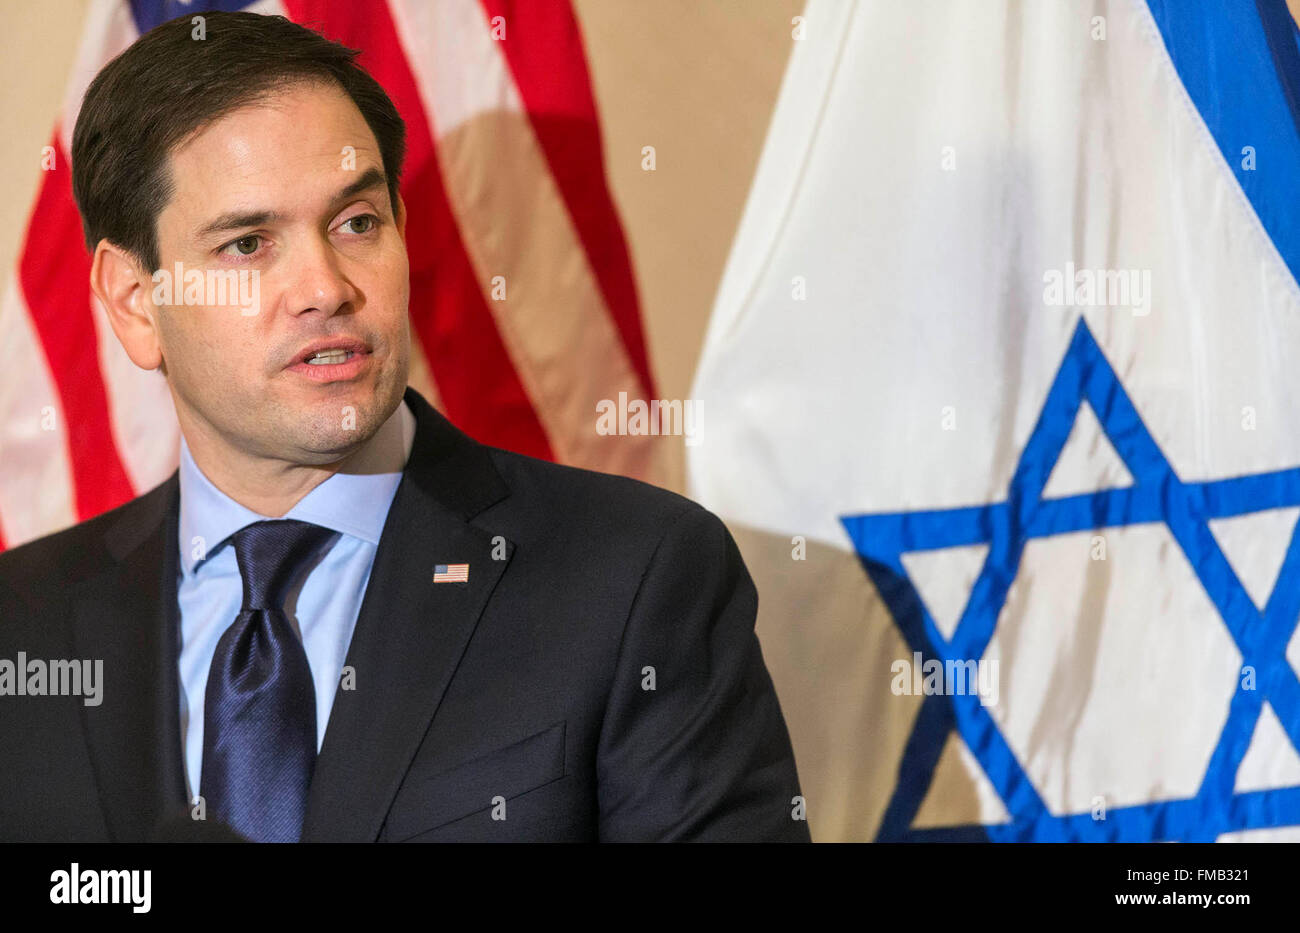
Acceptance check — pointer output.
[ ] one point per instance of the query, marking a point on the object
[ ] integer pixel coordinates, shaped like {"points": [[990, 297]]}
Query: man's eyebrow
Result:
{"points": [[236, 220], [370, 178]]}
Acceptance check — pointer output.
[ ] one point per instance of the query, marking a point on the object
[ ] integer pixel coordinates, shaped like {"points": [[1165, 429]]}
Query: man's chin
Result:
{"points": [[335, 427]]}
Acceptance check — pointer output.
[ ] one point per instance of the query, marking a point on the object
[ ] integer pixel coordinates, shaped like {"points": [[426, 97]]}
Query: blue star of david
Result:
{"points": [[1156, 495]]}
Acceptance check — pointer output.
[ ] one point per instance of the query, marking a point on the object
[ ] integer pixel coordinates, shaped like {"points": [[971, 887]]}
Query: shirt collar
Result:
{"points": [[354, 501]]}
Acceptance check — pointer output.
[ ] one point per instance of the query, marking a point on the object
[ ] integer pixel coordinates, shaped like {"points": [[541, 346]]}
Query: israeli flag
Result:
{"points": [[1005, 415]]}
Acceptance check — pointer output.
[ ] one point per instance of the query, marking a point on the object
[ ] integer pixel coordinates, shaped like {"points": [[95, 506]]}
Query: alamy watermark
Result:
{"points": [[77, 885], [1096, 288], [657, 416], [34, 677], [954, 677], [208, 288]]}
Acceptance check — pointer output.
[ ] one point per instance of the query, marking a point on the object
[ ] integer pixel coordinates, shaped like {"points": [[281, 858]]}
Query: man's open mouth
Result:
{"points": [[330, 351], [329, 356]]}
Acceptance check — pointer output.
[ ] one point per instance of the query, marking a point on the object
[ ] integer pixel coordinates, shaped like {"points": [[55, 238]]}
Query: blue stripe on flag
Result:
{"points": [[1280, 31], [1222, 52], [151, 13]]}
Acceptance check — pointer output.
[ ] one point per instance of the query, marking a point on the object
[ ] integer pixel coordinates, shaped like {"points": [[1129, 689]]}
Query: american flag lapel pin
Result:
{"points": [[451, 573]]}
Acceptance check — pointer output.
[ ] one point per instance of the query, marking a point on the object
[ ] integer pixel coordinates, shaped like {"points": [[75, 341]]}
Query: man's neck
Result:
{"points": [[269, 487]]}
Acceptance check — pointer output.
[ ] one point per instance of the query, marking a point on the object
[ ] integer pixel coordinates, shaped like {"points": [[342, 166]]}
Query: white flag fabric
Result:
{"points": [[1004, 411]]}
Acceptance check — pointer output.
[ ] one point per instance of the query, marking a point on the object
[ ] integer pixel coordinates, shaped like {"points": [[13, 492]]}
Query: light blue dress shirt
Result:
{"points": [[322, 607]]}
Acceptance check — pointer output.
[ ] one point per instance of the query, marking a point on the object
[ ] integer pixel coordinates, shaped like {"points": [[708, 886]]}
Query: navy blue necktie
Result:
{"points": [[259, 708]]}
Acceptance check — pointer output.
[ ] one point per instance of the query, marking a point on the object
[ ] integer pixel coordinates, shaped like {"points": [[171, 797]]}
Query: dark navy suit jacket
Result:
{"points": [[521, 694]]}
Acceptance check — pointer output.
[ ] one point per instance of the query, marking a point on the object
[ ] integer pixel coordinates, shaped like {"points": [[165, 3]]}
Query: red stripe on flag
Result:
{"points": [[475, 377], [544, 48], [55, 272]]}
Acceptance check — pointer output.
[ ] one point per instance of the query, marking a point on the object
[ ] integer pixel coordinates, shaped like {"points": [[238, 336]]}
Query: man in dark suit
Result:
{"points": [[341, 618]]}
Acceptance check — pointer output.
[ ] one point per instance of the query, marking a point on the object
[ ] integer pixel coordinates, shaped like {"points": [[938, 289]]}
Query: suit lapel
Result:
{"points": [[411, 631], [127, 616]]}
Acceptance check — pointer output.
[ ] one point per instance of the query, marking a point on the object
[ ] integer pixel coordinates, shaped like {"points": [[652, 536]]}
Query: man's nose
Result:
{"points": [[318, 281]]}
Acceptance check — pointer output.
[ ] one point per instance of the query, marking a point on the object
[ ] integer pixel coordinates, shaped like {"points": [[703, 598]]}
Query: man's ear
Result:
{"points": [[401, 218], [120, 282]]}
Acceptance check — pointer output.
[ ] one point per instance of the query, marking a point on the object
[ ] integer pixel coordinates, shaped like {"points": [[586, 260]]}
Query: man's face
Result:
{"points": [[290, 191]]}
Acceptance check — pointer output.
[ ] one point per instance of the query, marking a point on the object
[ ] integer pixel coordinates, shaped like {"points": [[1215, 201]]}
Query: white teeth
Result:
{"points": [[329, 356]]}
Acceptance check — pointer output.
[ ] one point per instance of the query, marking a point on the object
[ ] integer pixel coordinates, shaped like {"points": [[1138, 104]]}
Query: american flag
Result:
{"points": [[451, 573], [505, 186]]}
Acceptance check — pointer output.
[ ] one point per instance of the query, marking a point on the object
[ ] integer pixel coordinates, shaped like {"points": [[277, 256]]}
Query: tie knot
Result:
{"points": [[270, 554]]}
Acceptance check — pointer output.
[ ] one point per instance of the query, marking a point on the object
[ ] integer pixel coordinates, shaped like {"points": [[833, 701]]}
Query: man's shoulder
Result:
{"points": [[591, 539], [605, 506], [46, 565]]}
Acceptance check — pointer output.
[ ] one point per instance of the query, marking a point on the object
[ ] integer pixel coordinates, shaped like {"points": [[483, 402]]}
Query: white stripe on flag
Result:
{"points": [[108, 30], [36, 491], [455, 60]]}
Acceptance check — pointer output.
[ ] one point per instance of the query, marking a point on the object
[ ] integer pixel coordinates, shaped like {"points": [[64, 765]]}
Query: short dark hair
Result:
{"points": [[168, 85]]}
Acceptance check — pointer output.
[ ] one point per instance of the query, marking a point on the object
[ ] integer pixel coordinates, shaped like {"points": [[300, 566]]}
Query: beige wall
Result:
{"points": [[696, 79], [38, 42]]}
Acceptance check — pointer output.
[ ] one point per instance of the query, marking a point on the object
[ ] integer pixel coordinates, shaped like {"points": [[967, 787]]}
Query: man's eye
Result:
{"points": [[362, 223], [245, 246]]}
